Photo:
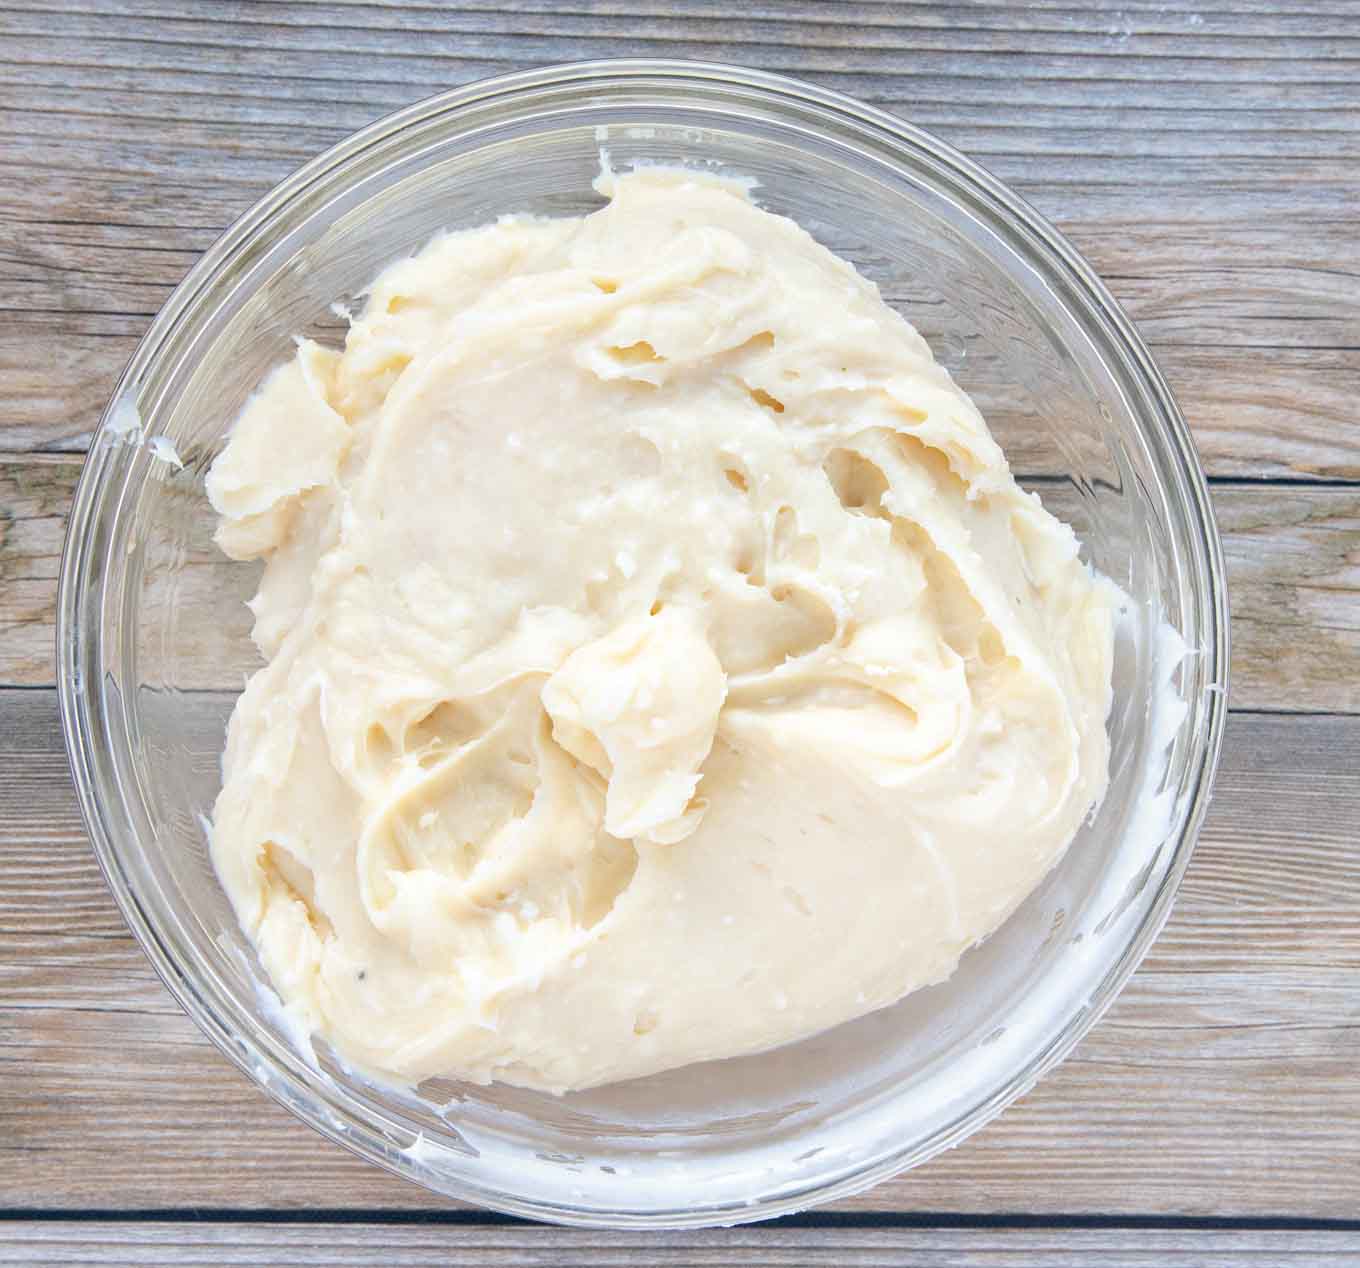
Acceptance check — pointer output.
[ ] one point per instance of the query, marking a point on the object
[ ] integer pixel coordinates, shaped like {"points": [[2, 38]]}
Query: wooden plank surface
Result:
{"points": [[1217, 331], [1293, 559], [1221, 1083], [1203, 154], [99, 1243]]}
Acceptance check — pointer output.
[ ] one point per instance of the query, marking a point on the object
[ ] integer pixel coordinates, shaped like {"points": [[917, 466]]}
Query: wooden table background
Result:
{"points": [[1204, 154]]}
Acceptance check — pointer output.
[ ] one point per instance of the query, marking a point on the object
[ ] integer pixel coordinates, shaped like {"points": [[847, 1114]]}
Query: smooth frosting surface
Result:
{"points": [[662, 663]]}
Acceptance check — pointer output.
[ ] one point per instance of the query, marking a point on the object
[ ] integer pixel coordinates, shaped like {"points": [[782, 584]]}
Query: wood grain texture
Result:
{"points": [[35, 497], [778, 1246], [1203, 156], [1293, 560], [1293, 564], [1221, 1083]]}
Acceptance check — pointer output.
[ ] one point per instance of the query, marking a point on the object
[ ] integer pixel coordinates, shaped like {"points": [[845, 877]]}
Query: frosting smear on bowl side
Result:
{"points": [[662, 663]]}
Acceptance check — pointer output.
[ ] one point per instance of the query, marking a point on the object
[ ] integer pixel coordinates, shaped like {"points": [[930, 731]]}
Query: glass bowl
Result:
{"points": [[153, 634]]}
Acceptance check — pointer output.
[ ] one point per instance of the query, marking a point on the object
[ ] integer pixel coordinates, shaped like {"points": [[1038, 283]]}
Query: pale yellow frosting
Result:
{"points": [[662, 662]]}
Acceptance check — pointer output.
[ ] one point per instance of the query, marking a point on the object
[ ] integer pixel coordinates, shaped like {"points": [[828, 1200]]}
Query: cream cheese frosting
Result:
{"points": [[662, 663]]}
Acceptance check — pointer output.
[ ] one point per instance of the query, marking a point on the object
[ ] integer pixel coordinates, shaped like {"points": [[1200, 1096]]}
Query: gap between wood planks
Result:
{"points": [[773, 1245], [815, 1218]]}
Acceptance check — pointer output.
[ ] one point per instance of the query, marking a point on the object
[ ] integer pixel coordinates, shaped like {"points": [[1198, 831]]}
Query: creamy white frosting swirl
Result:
{"points": [[662, 662]]}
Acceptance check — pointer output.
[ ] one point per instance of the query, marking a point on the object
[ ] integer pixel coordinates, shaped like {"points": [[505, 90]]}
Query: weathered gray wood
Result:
{"points": [[35, 497], [1262, 397], [1293, 566], [1221, 1083], [517, 1246], [1293, 575], [1203, 156]]}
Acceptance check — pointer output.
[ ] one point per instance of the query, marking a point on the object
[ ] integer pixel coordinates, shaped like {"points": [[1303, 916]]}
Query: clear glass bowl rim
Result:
{"points": [[317, 1100]]}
